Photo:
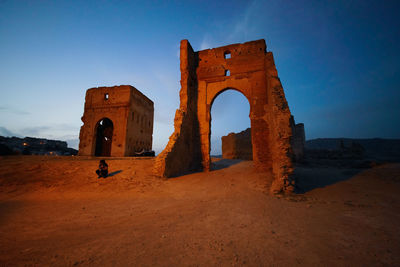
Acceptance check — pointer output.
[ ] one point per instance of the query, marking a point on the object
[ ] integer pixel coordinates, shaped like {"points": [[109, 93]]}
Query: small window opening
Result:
{"points": [[227, 73], [106, 96], [227, 55]]}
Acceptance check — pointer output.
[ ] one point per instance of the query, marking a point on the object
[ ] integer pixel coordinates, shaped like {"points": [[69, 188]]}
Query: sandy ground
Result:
{"points": [[55, 212]]}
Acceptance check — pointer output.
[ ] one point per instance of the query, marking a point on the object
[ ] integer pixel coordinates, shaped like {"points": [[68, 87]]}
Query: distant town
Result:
{"points": [[34, 146]]}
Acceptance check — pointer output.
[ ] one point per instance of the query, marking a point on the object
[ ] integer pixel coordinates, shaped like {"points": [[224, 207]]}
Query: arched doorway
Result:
{"points": [[104, 132], [229, 113]]}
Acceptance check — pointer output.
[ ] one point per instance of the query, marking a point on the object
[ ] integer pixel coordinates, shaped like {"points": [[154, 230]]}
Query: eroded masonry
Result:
{"points": [[239, 146], [117, 121], [249, 69]]}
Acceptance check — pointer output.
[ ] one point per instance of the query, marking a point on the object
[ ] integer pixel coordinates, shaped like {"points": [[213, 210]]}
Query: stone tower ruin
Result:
{"points": [[117, 122], [249, 69]]}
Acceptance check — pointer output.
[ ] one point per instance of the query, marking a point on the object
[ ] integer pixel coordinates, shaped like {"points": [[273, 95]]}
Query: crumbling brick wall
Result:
{"points": [[249, 69], [237, 145], [183, 151]]}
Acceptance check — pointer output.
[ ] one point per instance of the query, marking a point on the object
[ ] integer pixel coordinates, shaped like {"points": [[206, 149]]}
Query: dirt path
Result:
{"points": [[53, 211]]}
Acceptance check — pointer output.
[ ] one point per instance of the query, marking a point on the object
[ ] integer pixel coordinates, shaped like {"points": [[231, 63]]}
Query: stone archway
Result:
{"points": [[104, 133], [211, 111], [229, 113], [204, 74]]}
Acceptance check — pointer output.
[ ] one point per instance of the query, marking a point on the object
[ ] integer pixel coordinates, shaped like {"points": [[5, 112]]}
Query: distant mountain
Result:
{"points": [[377, 148], [34, 146]]}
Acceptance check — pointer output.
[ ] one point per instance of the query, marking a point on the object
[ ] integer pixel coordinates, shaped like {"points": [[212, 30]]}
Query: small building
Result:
{"points": [[117, 122]]}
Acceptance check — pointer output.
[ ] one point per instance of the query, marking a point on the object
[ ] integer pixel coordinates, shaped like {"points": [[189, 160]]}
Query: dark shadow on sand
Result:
{"points": [[309, 178], [216, 165], [224, 163], [113, 173]]}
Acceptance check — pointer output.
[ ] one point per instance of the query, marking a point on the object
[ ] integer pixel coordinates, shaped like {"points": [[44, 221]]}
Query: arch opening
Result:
{"points": [[229, 113], [104, 133]]}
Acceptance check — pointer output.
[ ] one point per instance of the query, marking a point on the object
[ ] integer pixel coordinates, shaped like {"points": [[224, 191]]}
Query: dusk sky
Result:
{"points": [[338, 61]]}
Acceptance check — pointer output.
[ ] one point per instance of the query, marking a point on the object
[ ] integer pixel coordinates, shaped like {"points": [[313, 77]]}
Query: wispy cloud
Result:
{"points": [[55, 131], [242, 27], [35, 131], [206, 43], [14, 110], [240, 30]]}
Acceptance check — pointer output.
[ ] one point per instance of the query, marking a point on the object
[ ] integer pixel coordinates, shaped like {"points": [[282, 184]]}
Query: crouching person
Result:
{"points": [[103, 169]]}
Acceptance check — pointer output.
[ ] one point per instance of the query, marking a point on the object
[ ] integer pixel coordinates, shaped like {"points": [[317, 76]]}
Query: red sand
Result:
{"points": [[54, 211]]}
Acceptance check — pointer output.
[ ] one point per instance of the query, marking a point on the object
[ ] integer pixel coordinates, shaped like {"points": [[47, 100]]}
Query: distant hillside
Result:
{"points": [[373, 148], [34, 146]]}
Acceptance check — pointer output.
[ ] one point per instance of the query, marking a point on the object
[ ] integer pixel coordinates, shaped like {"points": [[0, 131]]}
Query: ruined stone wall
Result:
{"points": [[116, 103], [237, 145], [139, 124], [278, 115], [183, 151], [298, 140], [249, 69]]}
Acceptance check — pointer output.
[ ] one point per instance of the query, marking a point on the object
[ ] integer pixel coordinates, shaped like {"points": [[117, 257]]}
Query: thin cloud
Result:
{"points": [[205, 43], [241, 29], [35, 131], [58, 131], [14, 110]]}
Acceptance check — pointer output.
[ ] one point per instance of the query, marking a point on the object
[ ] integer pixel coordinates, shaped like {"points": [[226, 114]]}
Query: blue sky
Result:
{"points": [[338, 61]]}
